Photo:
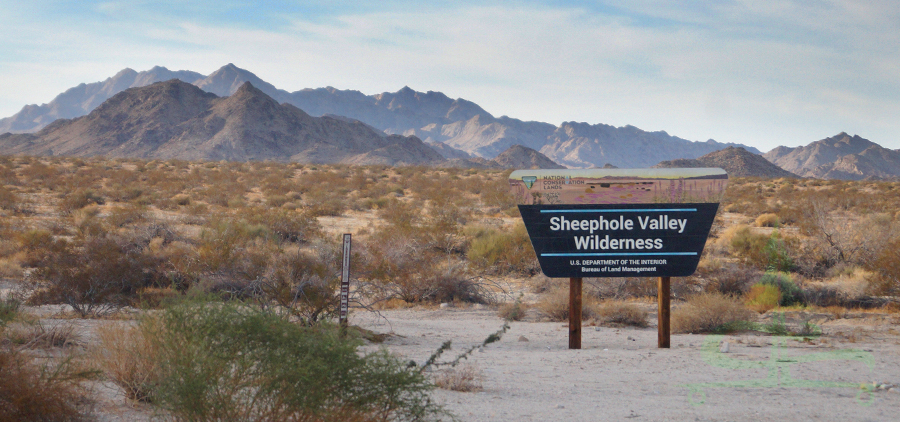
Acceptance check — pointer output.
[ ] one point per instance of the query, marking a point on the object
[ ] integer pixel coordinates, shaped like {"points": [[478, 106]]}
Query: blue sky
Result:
{"points": [[763, 73]]}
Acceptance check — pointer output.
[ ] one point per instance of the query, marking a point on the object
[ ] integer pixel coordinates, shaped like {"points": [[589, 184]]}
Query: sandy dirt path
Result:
{"points": [[621, 375]]}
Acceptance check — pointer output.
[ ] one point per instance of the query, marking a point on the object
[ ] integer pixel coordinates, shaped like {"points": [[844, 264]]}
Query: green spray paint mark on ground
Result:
{"points": [[779, 369]]}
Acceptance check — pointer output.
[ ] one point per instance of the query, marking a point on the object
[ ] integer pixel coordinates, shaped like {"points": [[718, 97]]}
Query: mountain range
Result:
{"points": [[332, 125], [174, 119], [430, 116], [839, 157], [737, 162]]}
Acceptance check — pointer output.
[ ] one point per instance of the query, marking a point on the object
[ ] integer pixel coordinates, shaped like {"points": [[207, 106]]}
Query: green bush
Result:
{"points": [[763, 297], [9, 310], [502, 252], [791, 294], [222, 361]]}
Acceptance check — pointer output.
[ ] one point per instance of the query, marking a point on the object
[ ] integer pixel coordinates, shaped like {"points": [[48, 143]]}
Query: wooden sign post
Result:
{"points": [[618, 223], [575, 313], [663, 294]]}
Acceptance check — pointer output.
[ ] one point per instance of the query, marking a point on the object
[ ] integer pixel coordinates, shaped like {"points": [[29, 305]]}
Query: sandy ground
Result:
{"points": [[620, 374], [531, 375]]}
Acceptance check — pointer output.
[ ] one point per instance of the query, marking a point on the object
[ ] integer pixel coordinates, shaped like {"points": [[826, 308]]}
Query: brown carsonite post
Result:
{"points": [[663, 295], [575, 313]]}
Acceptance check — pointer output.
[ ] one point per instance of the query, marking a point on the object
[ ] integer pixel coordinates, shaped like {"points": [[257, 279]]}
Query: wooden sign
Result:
{"points": [[618, 223]]}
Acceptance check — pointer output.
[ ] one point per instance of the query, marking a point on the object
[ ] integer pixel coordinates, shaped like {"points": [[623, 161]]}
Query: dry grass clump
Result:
{"points": [[763, 297], [128, 359], [31, 392], [555, 305], [726, 277], [621, 288], [705, 312], [767, 220], [501, 251], [619, 313], [514, 311], [463, 378], [42, 336]]}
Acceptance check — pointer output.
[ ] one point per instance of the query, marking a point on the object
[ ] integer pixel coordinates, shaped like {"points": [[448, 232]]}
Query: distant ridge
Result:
{"points": [[174, 119], [839, 157], [431, 116], [80, 100], [737, 162]]}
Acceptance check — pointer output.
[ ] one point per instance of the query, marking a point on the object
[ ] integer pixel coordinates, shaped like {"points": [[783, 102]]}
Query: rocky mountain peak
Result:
{"points": [[737, 161]]}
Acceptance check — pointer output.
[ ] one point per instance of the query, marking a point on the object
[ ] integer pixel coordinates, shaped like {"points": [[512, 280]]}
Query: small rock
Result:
{"points": [[523, 338], [629, 337], [446, 305], [596, 328], [724, 347], [559, 406]]}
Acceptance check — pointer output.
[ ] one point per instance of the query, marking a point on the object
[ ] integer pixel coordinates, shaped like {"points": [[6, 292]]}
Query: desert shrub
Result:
{"points": [[502, 252], [555, 305], [287, 225], [126, 215], [8, 199], [822, 295], [624, 287], [322, 202], [463, 378], [232, 362], [31, 392], [619, 313], [767, 220], [887, 264], [728, 278], [43, 336], [790, 292], [79, 199], [128, 359], [763, 297], [305, 284], [514, 311], [93, 275], [9, 310], [705, 312], [765, 252], [408, 269], [181, 199], [153, 297], [223, 245]]}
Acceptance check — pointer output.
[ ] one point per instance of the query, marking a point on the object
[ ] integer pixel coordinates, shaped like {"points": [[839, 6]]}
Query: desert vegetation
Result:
{"points": [[176, 254]]}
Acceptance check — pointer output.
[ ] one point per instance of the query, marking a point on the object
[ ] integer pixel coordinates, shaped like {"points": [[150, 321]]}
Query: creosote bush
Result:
{"points": [[790, 292], [763, 297], [555, 305], [31, 392], [705, 312], [128, 358], [225, 361], [619, 313]]}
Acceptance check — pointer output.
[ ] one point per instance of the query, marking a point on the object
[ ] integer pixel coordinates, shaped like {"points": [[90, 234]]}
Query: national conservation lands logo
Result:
{"points": [[529, 181]]}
